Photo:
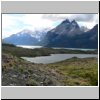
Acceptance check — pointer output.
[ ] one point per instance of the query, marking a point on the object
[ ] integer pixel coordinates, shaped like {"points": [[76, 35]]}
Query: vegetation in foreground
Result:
{"points": [[78, 71], [71, 72]]}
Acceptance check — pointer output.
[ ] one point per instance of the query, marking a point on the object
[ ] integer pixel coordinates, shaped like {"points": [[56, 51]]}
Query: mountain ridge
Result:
{"points": [[67, 34]]}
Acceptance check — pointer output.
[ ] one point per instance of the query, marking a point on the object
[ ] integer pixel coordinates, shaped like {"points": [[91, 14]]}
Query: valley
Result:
{"points": [[71, 72]]}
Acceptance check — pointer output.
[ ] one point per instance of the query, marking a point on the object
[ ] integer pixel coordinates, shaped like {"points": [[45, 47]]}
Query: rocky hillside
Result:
{"points": [[71, 72], [17, 72]]}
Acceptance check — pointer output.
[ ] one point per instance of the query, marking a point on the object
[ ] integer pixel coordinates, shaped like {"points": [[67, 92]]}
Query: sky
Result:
{"points": [[14, 23]]}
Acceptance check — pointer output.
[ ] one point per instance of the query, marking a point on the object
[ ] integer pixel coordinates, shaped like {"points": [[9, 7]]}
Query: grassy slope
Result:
{"points": [[78, 71]]}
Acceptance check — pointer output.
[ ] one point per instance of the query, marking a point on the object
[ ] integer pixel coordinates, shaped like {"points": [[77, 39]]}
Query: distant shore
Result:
{"points": [[44, 51]]}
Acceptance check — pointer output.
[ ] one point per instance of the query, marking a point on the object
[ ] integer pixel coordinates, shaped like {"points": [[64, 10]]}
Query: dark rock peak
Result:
{"points": [[96, 26], [66, 21], [74, 23], [70, 35]]}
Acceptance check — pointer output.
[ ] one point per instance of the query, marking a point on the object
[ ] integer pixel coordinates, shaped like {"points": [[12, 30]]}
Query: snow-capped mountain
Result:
{"points": [[26, 37], [84, 29], [38, 34]]}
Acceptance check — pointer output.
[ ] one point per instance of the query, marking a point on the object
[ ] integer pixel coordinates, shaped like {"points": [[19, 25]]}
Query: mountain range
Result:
{"points": [[26, 37], [67, 34]]}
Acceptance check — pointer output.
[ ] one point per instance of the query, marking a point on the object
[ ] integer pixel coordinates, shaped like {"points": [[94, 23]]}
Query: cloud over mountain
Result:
{"points": [[13, 23]]}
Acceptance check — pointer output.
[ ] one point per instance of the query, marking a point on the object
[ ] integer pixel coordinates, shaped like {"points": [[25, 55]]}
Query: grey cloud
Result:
{"points": [[85, 17], [53, 17], [77, 17]]}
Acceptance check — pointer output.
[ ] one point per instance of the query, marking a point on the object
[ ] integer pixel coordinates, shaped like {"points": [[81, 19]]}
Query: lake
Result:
{"points": [[56, 58], [29, 47]]}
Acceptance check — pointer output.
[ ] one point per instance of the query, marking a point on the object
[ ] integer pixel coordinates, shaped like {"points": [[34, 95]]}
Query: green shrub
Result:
{"points": [[31, 82]]}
